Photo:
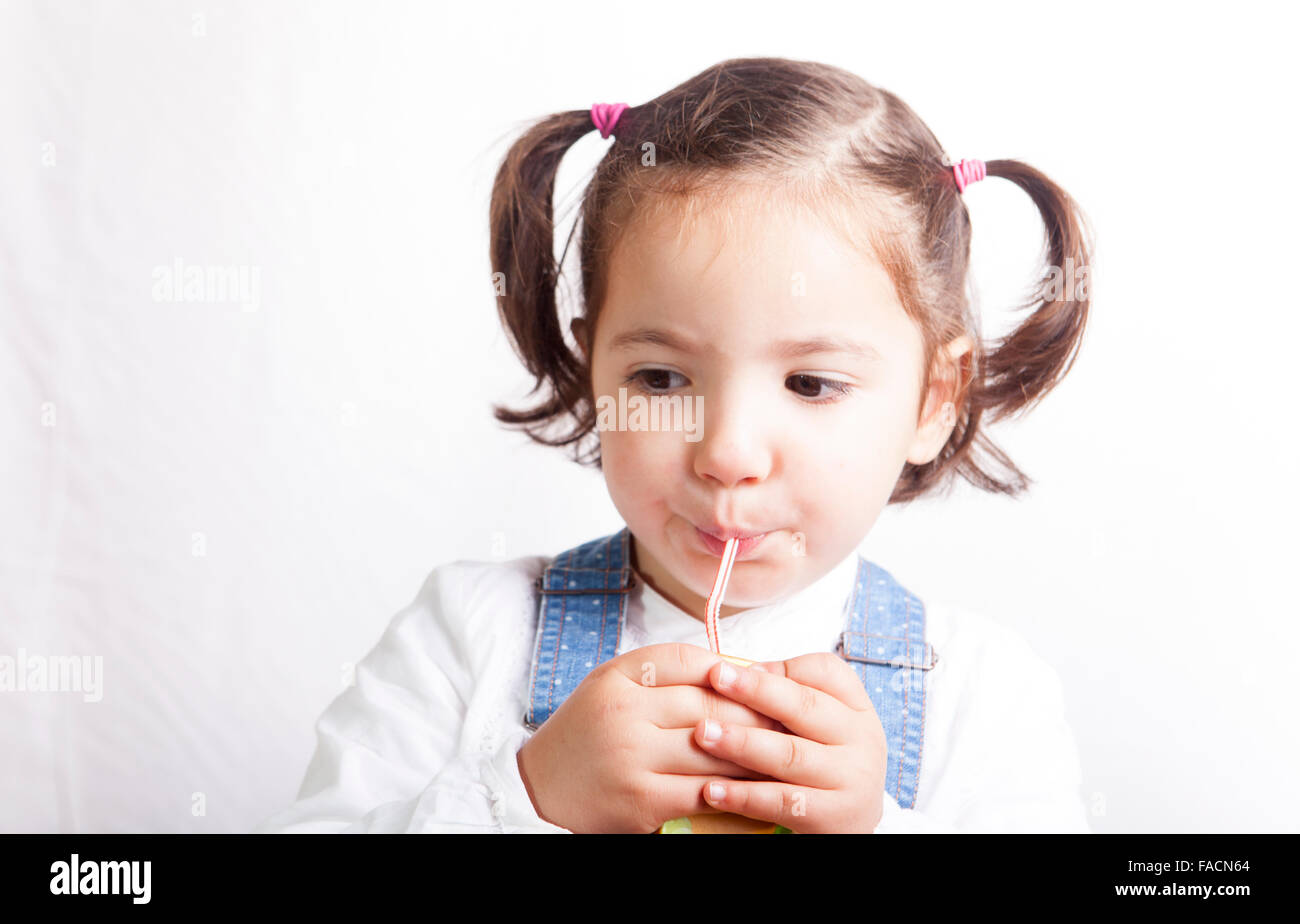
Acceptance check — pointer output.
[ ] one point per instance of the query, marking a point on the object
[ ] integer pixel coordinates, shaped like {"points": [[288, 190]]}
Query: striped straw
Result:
{"points": [[719, 588]]}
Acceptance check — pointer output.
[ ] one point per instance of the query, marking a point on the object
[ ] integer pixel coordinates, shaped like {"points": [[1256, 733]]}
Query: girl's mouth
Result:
{"points": [[747, 547]]}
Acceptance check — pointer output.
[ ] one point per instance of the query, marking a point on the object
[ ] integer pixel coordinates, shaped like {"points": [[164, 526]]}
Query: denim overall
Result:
{"points": [[583, 601]]}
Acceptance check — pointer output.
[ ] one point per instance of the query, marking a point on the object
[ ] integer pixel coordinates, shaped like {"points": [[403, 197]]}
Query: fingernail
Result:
{"points": [[712, 730], [717, 792], [727, 675]]}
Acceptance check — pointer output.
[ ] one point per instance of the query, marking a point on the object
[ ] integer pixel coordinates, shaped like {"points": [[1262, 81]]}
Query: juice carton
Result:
{"points": [[722, 822]]}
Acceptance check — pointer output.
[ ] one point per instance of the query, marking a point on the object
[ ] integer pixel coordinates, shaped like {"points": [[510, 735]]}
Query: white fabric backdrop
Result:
{"points": [[226, 501]]}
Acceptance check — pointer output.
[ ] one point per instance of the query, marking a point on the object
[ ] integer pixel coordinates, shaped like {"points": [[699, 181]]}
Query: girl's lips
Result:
{"points": [[715, 546]]}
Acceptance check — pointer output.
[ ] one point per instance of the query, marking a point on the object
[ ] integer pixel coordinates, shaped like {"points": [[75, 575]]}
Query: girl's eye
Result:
{"points": [[654, 381], [814, 383]]}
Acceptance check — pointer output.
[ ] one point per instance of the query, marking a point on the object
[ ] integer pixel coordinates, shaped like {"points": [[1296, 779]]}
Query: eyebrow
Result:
{"points": [[782, 349]]}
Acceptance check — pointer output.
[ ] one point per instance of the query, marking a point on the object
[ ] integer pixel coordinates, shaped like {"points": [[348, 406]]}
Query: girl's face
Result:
{"points": [[806, 372]]}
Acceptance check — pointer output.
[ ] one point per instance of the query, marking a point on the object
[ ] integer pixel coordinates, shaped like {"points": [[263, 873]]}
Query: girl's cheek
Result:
{"points": [[624, 456]]}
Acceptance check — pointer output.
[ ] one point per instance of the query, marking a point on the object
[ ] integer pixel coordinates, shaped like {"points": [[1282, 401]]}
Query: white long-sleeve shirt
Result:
{"points": [[426, 738]]}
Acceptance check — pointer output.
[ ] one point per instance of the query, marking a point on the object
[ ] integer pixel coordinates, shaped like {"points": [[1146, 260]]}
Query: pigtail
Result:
{"points": [[1014, 373], [1033, 359], [525, 272]]}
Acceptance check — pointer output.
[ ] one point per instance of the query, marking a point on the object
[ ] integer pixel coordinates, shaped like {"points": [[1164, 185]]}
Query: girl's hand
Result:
{"points": [[827, 765], [619, 756]]}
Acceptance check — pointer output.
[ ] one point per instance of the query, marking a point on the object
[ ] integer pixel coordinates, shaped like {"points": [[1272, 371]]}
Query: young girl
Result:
{"points": [[784, 248]]}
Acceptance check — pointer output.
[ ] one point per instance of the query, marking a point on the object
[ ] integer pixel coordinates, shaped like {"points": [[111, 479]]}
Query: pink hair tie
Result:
{"points": [[968, 171], [605, 116]]}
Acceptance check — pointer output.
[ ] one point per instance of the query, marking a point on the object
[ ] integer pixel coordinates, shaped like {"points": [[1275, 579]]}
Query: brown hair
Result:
{"points": [[836, 141]]}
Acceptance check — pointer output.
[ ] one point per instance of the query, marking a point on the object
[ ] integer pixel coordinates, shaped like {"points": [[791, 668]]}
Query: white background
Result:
{"points": [[334, 444]]}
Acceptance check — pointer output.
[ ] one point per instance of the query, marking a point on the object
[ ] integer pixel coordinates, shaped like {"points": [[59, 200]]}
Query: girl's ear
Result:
{"points": [[939, 415], [578, 326]]}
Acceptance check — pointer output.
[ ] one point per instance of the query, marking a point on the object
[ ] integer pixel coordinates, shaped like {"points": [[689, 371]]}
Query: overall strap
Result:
{"points": [[583, 599], [885, 643]]}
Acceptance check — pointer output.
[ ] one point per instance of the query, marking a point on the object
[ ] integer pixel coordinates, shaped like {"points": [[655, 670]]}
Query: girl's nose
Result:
{"points": [[733, 447]]}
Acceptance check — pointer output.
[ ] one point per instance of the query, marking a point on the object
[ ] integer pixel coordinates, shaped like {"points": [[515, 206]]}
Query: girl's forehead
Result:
{"points": [[766, 269], [750, 229], [747, 208]]}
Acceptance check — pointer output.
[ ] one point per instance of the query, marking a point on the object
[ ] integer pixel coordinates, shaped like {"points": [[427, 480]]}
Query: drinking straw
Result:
{"points": [[719, 588]]}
